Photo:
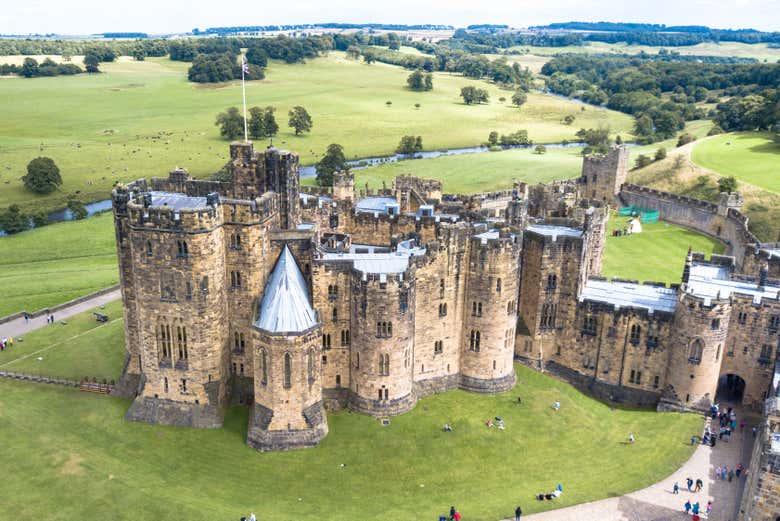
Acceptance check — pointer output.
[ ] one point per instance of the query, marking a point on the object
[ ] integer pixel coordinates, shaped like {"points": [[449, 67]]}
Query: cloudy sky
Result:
{"points": [[160, 16]]}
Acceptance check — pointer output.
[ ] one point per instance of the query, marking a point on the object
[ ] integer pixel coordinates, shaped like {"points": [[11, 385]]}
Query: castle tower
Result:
{"points": [[343, 186], [604, 174], [288, 411], [698, 344], [382, 343], [490, 314], [595, 241], [281, 176]]}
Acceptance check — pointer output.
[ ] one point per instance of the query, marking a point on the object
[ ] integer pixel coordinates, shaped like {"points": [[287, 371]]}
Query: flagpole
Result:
{"points": [[243, 95]]}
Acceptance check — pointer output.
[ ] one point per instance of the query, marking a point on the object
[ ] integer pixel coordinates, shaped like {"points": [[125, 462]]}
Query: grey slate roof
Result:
{"points": [[177, 201], [708, 281], [285, 307], [630, 295], [554, 231], [375, 204]]}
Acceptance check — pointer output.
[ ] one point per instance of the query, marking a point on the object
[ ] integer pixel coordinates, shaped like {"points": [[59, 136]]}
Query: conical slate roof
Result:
{"points": [[285, 307]]}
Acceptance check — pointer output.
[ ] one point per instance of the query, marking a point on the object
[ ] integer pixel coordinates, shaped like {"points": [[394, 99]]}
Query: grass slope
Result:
{"points": [[751, 157], [57, 263], [657, 254], [59, 444], [471, 173], [760, 51], [140, 119], [82, 347]]}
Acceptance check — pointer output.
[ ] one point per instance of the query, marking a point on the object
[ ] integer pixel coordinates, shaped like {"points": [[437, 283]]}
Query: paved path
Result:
{"points": [[658, 503], [19, 327]]}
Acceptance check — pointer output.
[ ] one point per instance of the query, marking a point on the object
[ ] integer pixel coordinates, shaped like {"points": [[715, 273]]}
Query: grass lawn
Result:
{"points": [[60, 443], [470, 173], [760, 51], [142, 119], [57, 263], [657, 254], [752, 157], [82, 347]]}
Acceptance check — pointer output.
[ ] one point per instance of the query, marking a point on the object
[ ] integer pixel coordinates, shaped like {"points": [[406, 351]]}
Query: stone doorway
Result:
{"points": [[731, 389]]}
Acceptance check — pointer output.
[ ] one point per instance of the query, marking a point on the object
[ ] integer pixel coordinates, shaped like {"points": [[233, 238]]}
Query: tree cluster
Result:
{"points": [[409, 145], [472, 94], [420, 81], [43, 176], [333, 161], [218, 67], [31, 69], [596, 140]]}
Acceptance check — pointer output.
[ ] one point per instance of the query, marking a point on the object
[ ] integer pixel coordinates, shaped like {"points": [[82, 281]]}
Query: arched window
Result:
{"points": [[695, 350], [498, 285], [181, 249], [384, 365], [263, 368], [441, 288], [333, 292], [165, 340], [165, 383], [474, 339], [238, 241], [148, 248], [357, 360], [479, 309], [552, 282], [204, 285], [287, 371], [636, 334], [181, 342], [335, 314], [473, 309], [310, 366]]}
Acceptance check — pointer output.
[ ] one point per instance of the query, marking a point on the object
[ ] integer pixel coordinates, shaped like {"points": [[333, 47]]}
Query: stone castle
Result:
{"points": [[297, 301]]}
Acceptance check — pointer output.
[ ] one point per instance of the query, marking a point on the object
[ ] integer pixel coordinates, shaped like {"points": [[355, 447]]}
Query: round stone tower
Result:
{"points": [[288, 411], [701, 326], [490, 314], [382, 343]]}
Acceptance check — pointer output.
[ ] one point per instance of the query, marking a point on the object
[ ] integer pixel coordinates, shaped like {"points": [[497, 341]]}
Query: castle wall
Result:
{"points": [[603, 174]]}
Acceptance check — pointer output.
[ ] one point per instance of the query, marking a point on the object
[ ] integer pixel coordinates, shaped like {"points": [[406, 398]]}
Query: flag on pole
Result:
{"points": [[244, 65], [244, 70]]}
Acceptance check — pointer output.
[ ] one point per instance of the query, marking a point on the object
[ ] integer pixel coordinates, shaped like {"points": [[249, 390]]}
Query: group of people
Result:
{"points": [[549, 496], [50, 319], [695, 509], [6, 343], [723, 473], [499, 423]]}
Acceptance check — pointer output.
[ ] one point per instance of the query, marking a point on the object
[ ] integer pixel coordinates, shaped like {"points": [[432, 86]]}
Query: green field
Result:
{"points": [[142, 119], [759, 51], [80, 348], [480, 172], [657, 254], [751, 157], [59, 444], [57, 263]]}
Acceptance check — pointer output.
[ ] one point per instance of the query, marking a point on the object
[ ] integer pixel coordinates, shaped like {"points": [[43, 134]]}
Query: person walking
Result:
{"points": [[731, 475], [687, 507], [717, 472], [696, 508], [689, 482], [630, 437], [518, 513], [676, 489], [709, 508], [699, 484], [739, 469], [452, 512]]}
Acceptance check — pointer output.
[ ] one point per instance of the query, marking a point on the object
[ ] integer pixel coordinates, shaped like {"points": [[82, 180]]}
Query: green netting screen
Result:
{"points": [[648, 215]]}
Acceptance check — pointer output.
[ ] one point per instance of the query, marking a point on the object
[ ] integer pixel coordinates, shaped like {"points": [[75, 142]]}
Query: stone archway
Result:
{"points": [[731, 389]]}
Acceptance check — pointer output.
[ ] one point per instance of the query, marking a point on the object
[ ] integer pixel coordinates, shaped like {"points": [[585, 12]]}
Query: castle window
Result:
{"points": [[695, 350], [310, 366], [558, 350], [742, 318], [510, 307], [498, 285], [235, 242], [585, 361], [148, 248], [181, 342], [242, 369], [188, 291], [326, 341], [635, 377], [636, 334], [307, 269], [548, 316], [333, 292], [652, 340], [774, 323], [324, 360], [334, 220], [589, 326], [238, 342], [184, 385], [345, 337], [363, 307], [745, 350], [338, 380], [165, 384], [656, 381], [235, 279], [335, 314], [552, 282], [263, 368], [765, 358], [165, 340], [384, 329], [474, 339], [715, 324], [181, 249], [380, 394], [167, 286], [384, 365], [441, 288], [438, 347], [406, 358], [717, 353], [204, 285], [443, 310], [287, 371], [234, 368], [403, 301], [357, 361]]}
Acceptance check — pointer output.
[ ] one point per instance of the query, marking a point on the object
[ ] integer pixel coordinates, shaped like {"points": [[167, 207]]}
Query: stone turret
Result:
{"points": [[604, 174], [288, 412], [343, 186]]}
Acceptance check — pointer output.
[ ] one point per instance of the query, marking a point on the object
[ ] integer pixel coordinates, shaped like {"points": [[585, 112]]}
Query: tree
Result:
{"points": [[213, 68], [417, 106], [540, 149], [256, 55], [40, 218], [333, 161], [262, 123], [660, 154], [409, 145], [43, 176], [596, 140], [77, 209], [369, 56], [300, 120], [13, 220], [231, 123], [353, 52], [493, 138], [139, 53], [727, 184], [419, 81], [30, 68], [685, 138], [519, 98], [471, 94], [91, 62], [642, 161], [393, 42], [518, 138]]}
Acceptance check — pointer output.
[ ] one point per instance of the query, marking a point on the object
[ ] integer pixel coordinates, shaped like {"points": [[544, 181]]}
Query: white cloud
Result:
{"points": [[155, 16]]}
